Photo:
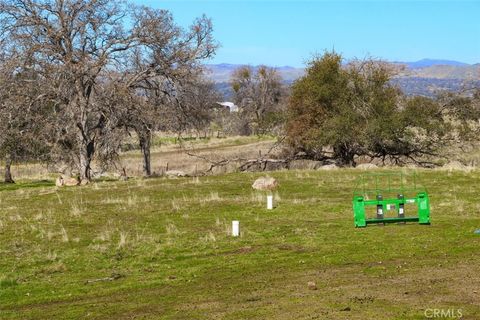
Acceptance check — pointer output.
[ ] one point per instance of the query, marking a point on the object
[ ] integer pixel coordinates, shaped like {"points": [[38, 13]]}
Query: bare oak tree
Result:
{"points": [[258, 92], [74, 44], [198, 105], [168, 58], [24, 116]]}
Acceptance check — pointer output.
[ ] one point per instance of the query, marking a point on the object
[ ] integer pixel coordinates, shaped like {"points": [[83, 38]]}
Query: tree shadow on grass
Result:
{"points": [[26, 184]]}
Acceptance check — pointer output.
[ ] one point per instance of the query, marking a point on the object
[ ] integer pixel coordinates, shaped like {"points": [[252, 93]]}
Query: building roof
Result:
{"points": [[230, 105]]}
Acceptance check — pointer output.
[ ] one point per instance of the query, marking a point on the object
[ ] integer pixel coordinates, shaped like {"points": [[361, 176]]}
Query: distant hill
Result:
{"points": [[431, 87], [464, 72], [432, 62], [222, 72], [424, 77]]}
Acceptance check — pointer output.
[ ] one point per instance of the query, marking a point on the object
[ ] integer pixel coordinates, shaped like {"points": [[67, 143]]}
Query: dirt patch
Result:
{"points": [[290, 247], [243, 250]]}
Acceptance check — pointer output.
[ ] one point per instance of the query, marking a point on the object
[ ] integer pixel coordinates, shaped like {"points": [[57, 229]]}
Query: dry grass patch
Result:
{"points": [[122, 242]]}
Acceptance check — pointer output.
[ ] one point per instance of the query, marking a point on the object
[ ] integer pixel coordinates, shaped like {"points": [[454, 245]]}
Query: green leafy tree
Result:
{"points": [[339, 113], [322, 123]]}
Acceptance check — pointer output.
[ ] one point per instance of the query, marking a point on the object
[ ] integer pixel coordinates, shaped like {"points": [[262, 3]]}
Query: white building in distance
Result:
{"points": [[230, 105]]}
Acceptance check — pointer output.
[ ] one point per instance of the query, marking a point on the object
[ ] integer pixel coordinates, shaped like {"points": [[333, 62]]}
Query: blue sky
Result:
{"points": [[282, 33]]}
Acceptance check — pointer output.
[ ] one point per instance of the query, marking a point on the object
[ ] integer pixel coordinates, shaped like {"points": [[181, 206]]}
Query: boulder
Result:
{"points": [[305, 164], [312, 285], [328, 167], [67, 182], [70, 182], [264, 165], [366, 166], [456, 166], [175, 173], [60, 182], [265, 183]]}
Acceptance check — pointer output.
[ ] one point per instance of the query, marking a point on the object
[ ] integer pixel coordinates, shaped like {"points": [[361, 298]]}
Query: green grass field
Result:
{"points": [[161, 249]]}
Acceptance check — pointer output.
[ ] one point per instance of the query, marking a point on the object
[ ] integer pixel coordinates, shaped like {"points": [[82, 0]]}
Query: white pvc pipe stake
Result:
{"points": [[235, 228], [269, 202]]}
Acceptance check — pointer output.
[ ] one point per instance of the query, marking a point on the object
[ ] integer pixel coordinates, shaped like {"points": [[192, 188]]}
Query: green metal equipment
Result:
{"points": [[389, 192]]}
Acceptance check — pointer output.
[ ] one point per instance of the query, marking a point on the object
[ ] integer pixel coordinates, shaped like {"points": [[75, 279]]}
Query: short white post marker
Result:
{"points": [[235, 228], [269, 202]]}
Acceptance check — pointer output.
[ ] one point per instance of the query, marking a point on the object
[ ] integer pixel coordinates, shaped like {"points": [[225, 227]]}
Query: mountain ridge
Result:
{"points": [[424, 68], [425, 77], [427, 62]]}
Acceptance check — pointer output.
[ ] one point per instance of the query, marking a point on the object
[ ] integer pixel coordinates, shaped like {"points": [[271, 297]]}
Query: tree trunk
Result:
{"points": [[84, 134], [345, 156], [86, 156], [145, 143], [8, 173]]}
